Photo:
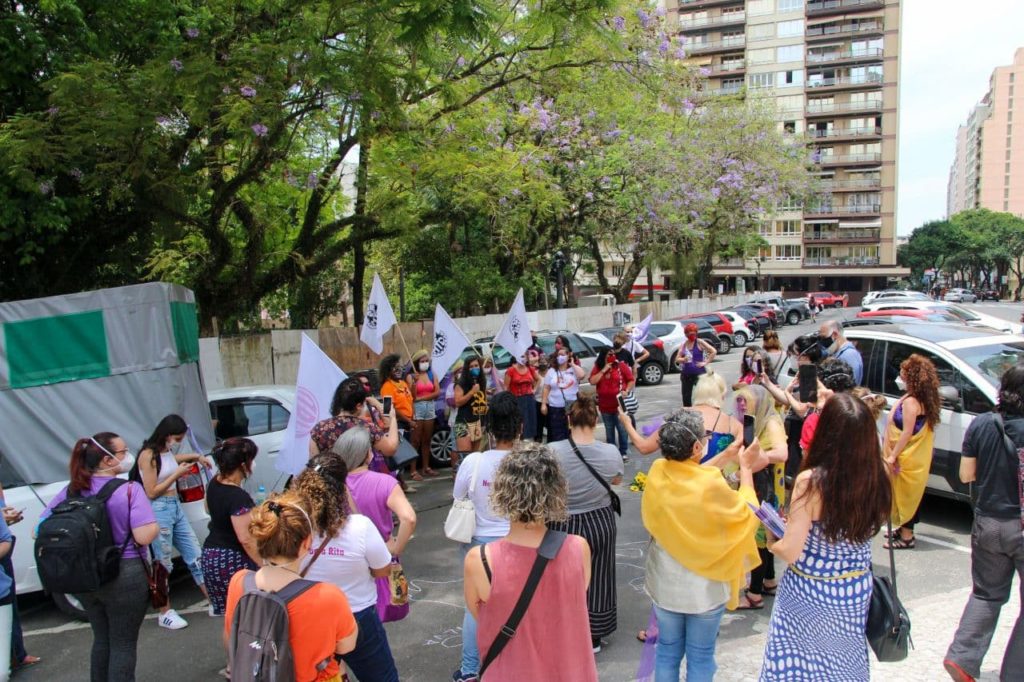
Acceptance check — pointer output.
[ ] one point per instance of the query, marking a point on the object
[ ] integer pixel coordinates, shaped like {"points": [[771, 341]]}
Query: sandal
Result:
{"points": [[899, 543], [769, 590], [750, 605], [27, 661], [430, 472], [416, 476]]}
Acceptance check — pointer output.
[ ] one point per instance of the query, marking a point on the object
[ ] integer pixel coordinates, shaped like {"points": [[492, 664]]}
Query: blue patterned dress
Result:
{"points": [[817, 626]]}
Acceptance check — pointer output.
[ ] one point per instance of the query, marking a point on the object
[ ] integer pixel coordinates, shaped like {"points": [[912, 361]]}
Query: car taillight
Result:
{"points": [[659, 343]]}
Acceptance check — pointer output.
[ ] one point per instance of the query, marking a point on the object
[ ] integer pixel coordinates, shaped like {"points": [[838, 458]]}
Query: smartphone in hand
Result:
{"points": [[386, 404], [808, 375], [622, 403]]}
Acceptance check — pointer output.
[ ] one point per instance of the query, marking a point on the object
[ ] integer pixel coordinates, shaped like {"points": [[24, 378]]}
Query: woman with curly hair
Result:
{"points": [[909, 436], [552, 642], [348, 551]]}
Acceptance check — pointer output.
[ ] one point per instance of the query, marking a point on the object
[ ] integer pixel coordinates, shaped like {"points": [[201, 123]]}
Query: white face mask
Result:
{"points": [[424, 366], [123, 466], [901, 384], [563, 359]]}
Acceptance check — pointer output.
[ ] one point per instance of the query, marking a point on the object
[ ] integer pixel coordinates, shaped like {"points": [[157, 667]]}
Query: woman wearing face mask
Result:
{"points": [[353, 406], [117, 609], [425, 390], [160, 466], [521, 380], [471, 407], [394, 386], [228, 548], [693, 358], [561, 386], [909, 437]]}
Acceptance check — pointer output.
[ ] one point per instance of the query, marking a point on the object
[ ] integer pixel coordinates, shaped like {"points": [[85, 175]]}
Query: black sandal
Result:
{"points": [[899, 543]]}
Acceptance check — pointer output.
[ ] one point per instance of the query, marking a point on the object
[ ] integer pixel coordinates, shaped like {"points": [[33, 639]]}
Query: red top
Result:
{"points": [[553, 639], [608, 388], [807, 430], [520, 384]]}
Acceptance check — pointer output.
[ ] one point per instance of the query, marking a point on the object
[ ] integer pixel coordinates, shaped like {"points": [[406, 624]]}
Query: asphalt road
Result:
{"points": [[427, 644]]}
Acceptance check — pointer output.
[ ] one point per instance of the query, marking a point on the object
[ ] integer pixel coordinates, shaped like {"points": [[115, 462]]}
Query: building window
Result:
{"points": [[764, 229], [789, 127], [761, 56], [790, 5], [789, 53], [787, 252], [762, 32], [791, 78], [760, 6], [618, 270], [790, 29], [787, 228], [764, 253], [759, 80], [789, 203]]}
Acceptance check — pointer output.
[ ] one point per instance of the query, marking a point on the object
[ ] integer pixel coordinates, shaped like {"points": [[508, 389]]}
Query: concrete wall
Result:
{"points": [[273, 357]]}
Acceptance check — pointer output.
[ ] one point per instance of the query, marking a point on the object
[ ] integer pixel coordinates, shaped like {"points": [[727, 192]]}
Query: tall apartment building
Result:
{"points": [[988, 167], [832, 69]]}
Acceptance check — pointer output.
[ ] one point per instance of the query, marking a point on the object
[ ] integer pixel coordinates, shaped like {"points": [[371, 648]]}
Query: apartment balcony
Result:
{"points": [[727, 45], [822, 8], [852, 185], [726, 69], [852, 210], [731, 263], [826, 32], [725, 91], [838, 134], [712, 23], [850, 160], [841, 261], [851, 56], [701, 4], [844, 83], [843, 236], [816, 109]]}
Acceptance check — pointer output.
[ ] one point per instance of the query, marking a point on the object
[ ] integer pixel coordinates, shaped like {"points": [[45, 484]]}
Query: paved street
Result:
{"points": [[934, 584]]}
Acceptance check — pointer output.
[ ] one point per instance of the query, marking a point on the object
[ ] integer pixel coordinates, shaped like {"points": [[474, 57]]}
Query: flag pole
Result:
{"points": [[404, 344]]}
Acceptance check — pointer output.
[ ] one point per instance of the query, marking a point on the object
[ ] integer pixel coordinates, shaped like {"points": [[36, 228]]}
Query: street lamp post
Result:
{"points": [[558, 270]]}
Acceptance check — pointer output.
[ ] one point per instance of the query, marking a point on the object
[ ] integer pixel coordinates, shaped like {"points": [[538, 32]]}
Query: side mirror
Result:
{"points": [[951, 398]]}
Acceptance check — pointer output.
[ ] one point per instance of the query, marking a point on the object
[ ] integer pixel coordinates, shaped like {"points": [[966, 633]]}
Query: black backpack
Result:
{"points": [[259, 650], [75, 550]]}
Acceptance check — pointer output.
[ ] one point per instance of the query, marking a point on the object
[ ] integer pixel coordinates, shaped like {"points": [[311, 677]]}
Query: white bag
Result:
{"points": [[461, 522]]}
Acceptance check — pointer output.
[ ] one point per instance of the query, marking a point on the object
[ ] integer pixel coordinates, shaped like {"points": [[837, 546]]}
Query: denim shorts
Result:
{"points": [[423, 410]]}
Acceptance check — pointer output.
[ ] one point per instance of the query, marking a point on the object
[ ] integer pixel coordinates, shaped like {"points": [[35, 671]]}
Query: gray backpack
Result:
{"points": [[259, 650]]}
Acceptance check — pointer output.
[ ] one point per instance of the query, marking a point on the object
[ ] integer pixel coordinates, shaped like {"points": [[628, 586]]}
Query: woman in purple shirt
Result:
{"points": [[116, 610]]}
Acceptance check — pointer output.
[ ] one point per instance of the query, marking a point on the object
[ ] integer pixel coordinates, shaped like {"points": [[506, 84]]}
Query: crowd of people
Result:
{"points": [[539, 570]]}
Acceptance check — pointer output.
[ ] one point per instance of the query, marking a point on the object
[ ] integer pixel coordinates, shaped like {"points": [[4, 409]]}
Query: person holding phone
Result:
{"points": [[614, 380], [350, 406]]}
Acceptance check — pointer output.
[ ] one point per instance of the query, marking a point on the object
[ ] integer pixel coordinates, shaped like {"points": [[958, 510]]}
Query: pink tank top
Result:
{"points": [[424, 388], [553, 640]]}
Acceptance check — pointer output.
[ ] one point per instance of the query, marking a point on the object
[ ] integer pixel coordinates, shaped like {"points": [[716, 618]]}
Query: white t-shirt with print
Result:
{"points": [[347, 559], [488, 524], [561, 382]]}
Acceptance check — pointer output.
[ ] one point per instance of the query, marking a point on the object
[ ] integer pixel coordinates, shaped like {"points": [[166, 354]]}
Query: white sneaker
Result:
{"points": [[213, 614], [171, 620]]}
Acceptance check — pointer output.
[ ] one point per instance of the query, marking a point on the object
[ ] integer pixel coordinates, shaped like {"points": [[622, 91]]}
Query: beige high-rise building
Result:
{"points": [[988, 168], [832, 69]]}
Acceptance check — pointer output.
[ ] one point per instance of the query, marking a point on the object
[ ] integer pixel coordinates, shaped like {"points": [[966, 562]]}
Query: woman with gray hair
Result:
{"points": [[377, 496], [552, 642], [702, 546]]}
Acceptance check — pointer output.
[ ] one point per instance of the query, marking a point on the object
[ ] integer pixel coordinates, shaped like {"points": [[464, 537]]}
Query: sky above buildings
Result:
{"points": [[949, 49]]}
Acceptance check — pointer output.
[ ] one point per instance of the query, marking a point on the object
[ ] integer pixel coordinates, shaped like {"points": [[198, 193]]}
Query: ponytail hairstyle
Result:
{"points": [[232, 454], [171, 425], [322, 483], [86, 456], [280, 525]]}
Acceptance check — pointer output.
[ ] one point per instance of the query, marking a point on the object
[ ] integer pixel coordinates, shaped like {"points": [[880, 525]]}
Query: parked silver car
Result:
{"points": [[960, 296]]}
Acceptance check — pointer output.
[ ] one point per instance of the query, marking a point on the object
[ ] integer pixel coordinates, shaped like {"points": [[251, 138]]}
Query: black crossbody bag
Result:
{"points": [[548, 550], [616, 502], [888, 625]]}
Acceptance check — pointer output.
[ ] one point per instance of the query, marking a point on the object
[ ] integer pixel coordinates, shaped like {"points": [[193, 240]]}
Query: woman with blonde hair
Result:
{"points": [[773, 351], [909, 437], [348, 552], [551, 642], [320, 622]]}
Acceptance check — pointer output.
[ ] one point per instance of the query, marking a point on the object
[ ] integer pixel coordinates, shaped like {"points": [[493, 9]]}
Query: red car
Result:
{"points": [[719, 321], [825, 299]]}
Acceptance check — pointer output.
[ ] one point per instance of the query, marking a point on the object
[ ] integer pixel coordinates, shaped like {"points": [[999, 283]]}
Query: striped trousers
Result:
{"points": [[598, 529]]}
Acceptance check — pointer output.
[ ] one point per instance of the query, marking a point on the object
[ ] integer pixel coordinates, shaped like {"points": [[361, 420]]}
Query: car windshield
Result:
{"points": [[992, 360], [963, 313]]}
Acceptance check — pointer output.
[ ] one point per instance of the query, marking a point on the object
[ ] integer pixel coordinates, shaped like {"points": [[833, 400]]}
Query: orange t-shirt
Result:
{"points": [[401, 397], [317, 619]]}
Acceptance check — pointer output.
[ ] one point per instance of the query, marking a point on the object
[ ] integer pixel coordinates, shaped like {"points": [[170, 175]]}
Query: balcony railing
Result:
{"points": [[693, 4], [870, 131], [861, 53], [815, 108], [721, 92], [730, 263], [845, 235], [727, 44], [871, 79], [840, 159], [841, 261], [858, 209], [726, 67], [820, 7], [709, 22], [863, 183], [836, 30]]}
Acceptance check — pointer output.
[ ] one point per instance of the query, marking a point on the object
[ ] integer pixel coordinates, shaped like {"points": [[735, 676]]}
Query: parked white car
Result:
{"points": [[960, 296], [671, 334], [742, 334], [971, 317], [893, 295]]}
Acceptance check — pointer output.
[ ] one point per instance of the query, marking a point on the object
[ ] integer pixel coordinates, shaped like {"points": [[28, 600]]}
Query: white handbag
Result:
{"points": [[461, 522]]}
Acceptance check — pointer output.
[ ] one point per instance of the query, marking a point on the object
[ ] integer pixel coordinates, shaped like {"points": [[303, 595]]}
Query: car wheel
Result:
{"points": [[69, 605], [724, 344], [652, 373], [739, 339], [441, 446], [793, 317], [839, 304], [672, 366]]}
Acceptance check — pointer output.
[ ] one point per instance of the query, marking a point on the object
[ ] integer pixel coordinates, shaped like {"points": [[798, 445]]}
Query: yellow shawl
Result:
{"points": [[703, 524], [912, 475]]}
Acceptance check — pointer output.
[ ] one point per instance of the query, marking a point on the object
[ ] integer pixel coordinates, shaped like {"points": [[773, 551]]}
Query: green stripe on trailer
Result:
{"points": [[186, 330], [48, 350]]}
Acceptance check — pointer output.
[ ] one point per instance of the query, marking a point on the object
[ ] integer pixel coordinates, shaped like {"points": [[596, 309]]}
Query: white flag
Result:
{"points": [[379, 318], [318, 378], [449, 342], [640, 330], [514, 335]]}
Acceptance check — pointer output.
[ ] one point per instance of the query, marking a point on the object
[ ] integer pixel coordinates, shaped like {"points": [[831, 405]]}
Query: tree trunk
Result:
{"points": [[650, 282], [359, 252]]}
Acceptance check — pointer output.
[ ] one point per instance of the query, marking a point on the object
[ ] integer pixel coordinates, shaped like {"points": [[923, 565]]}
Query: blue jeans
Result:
{"points": [[371, 660], [470, 653], [686, 634], [175, 532], [613, 425]]}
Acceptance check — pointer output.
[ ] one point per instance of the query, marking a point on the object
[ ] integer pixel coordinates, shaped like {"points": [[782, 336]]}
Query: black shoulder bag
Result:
{"points": [[616, 502], [548, 550], [888, 625]]}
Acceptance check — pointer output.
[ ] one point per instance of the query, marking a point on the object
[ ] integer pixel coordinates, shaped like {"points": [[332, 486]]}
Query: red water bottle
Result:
{"points": [[190, 486]]}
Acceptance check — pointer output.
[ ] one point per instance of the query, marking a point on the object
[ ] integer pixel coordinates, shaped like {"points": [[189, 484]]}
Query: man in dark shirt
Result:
{"points": [[997, 541]]}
